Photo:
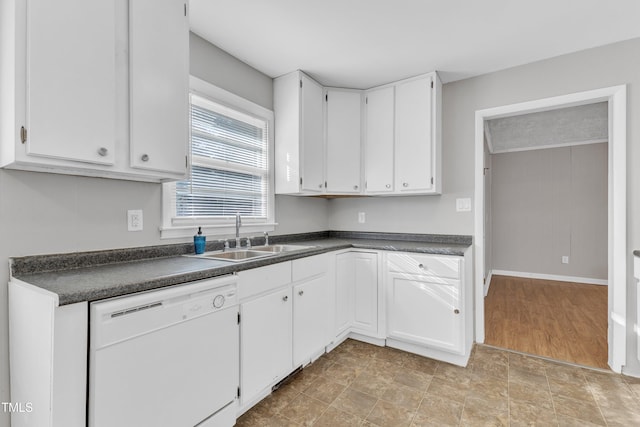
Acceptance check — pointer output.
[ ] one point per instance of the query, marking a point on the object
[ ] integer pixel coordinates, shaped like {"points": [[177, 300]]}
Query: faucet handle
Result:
{"points": [[248, 242], [226, 244], [266, 238]]}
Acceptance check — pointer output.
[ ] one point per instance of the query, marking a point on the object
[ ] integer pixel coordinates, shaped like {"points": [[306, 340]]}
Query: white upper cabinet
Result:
{"points": [[298, 106], [416, 142], [343, 127], [390, 147], [378, 146], [71, 88], [159, 81], [77, 76]]}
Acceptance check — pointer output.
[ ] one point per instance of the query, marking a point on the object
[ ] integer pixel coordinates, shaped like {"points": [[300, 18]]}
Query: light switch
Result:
{"points": [[463, 205]]}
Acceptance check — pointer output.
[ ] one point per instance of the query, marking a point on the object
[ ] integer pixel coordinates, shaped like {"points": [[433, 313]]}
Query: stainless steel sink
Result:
{"points": [[247, 254], [239, 255], [279, 248]]}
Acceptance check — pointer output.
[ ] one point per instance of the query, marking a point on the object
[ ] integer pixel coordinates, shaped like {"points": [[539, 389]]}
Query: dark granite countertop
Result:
{"points": [[92, 276]]}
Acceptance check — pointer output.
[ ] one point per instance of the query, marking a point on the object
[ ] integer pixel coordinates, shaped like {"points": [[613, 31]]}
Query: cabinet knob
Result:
{"points": [[355, 187], [456, 311], [144, 157], [103, 151], [319, 185], [285, 298], [421, 266], [300, 293], [405, 184], [388, 185]]}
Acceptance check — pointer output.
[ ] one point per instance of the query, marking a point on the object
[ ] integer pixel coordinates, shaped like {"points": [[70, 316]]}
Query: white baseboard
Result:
{"points": [[558, 278]]}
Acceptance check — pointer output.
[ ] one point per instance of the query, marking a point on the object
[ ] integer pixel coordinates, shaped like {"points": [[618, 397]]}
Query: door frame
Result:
{"points": [[616, 97]]}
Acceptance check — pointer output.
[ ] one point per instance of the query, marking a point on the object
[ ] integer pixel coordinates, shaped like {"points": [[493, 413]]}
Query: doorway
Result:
{"points": [[615, 97]]}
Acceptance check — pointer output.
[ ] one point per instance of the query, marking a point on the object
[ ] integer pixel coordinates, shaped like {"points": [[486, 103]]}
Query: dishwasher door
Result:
{"points": [[165, 358]]}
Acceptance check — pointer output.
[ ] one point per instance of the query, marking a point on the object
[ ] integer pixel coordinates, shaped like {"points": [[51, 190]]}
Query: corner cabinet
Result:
{"points": [[381, 141], [299, 152], [343, 130], [357, 295], [112, 102]]}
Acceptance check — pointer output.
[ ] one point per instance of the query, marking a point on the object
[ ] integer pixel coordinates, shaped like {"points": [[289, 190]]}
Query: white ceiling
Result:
{"points": [[364, 43]]}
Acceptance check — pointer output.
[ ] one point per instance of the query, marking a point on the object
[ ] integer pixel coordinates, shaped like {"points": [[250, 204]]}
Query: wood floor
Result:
{"points": [[559, 320]]}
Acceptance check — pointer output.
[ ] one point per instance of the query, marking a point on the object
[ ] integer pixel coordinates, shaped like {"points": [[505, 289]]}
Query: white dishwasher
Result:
{"points": [[166, 358]]}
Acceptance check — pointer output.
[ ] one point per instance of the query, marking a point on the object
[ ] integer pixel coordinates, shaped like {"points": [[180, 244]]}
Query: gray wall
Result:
{"points": [[47, 213], [550, 203]]}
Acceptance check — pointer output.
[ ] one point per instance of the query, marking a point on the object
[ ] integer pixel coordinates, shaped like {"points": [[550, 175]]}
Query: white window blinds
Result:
{"points": [[230, 159]]}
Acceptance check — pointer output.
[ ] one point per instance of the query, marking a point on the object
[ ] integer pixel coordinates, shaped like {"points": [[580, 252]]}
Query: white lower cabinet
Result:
{"points": [[427, 306], [424, 312], [309, 313], [265, 342], [283, 322], [356, 293]]}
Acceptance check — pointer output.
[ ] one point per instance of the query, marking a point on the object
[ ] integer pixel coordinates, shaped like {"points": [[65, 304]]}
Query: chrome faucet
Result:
{"points": [[238, 224]]}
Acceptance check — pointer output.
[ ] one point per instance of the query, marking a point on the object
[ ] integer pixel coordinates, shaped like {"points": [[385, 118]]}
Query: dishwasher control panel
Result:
{"points": [[122, 318], [213, 300]]}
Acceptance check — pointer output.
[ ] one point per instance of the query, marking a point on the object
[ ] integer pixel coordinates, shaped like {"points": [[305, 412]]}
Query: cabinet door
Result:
{"points": [[311, 136], [310, 306], [265, 341], [378, 146], [159, 85], [345, 273], [424, 310], [343, 140], [414, 143], [365, 282], [71, 80], [357, 292]]}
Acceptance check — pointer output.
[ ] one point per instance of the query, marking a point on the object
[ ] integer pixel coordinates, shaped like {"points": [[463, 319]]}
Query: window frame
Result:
{"points": [[185, 227]]}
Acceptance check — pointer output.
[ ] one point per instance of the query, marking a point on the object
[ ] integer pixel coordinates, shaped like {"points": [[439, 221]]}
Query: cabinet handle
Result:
{"points": [[103, 151], [144, 157], [388, 185], [456, 311], [405, 184], [355, 187], [300, 293], [285, 298]]}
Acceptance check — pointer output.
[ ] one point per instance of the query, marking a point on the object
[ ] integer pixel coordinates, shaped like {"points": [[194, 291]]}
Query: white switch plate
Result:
{"points": [[565, 259], [362, 217], [463, 205], [134, 220]]}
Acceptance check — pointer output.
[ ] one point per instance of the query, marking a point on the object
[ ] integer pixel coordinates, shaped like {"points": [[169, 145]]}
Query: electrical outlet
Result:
{"points": [[565, 259], [134, 220], [362, 217]]}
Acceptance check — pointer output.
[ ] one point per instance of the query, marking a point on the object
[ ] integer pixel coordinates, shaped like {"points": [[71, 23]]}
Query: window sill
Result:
{"points": [[215, 230]]}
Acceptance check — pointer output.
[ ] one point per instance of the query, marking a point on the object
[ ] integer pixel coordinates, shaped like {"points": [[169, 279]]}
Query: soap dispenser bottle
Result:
{"points": [[199, 241]]}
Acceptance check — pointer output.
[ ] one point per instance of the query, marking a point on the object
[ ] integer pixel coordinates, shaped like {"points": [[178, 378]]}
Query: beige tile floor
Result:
{"points": [[359, 384]]}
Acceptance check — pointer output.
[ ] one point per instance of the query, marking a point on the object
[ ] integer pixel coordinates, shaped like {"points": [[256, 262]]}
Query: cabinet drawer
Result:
{"points": [[309, 267], [427, 265], [259, 280]]}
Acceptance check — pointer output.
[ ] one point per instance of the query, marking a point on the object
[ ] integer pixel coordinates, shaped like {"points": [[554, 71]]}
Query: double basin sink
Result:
{"points": [[244, 254]]}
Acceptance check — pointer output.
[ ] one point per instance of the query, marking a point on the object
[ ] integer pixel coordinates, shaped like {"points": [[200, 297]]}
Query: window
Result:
{"points": [[231, 152]]}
